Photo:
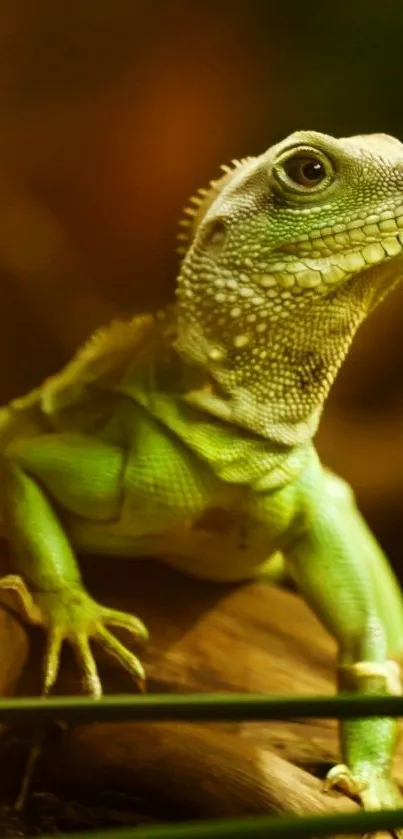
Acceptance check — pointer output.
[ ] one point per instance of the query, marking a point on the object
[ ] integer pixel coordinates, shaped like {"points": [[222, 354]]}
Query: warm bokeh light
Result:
{"points": [[111, 113]]}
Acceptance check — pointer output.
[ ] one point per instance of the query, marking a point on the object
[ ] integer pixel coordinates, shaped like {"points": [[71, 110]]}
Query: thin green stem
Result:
{"points": [[196, 707], [261, 828]]}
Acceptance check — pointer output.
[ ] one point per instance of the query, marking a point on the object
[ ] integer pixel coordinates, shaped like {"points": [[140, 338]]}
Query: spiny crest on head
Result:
{"points": [[193, 214]]}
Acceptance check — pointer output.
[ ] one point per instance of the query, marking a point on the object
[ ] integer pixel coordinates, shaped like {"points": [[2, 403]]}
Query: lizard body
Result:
{"points": [[190, 437]]}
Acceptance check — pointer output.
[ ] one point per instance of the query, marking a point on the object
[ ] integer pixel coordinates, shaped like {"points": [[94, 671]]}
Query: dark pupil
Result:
{"points": [[305, 171], [313, 170]]}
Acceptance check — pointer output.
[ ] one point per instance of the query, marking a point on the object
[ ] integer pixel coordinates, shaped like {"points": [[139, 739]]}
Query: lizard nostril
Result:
{"points": [[215, 235]]}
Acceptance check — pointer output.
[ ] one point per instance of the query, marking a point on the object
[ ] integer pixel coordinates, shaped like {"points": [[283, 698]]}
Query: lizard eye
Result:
{"points": [[304, 170]]}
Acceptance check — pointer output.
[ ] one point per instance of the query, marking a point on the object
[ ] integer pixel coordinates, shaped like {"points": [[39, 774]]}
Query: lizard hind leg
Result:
{"points": [[50, 586]]}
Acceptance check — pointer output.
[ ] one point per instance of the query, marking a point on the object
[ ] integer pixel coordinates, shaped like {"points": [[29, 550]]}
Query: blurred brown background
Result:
{"points": [[113, 111]]}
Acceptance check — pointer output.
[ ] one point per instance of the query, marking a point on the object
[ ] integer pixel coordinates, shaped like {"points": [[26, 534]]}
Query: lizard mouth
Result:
{"points": [[332, 255]]}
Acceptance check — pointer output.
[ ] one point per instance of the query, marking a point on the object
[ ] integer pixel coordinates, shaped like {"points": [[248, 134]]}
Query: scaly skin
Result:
{"points": [[190, 437]]}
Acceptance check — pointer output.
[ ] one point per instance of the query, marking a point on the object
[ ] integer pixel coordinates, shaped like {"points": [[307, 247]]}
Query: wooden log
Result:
{"points": [[14, 644], [207, 637], [185, 771], [204, 637]]}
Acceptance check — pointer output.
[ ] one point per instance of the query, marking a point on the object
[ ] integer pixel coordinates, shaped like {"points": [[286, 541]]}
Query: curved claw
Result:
{"points": [[14, 582], [374, 793], [84, 657], [127, 659], [113, 617], [340, 777], [51, 662]]}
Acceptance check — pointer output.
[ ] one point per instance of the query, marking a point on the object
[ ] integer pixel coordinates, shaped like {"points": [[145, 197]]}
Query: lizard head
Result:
{"points": [[287, 253]]}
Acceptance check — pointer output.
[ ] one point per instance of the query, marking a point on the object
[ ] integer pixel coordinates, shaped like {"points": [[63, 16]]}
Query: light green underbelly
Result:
{"points": [[231, 550]]}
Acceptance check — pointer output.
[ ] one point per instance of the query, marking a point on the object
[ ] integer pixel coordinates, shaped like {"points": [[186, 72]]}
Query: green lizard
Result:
{"points": [[189, 437]]}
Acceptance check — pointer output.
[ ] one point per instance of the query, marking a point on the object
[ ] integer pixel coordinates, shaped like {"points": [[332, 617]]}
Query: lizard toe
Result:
{"points": [[373, 790], [90, 679], [123, 620], [127, 659], [71, 615]]}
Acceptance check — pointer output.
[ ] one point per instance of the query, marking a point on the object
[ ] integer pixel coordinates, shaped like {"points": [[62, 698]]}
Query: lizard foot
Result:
{"points": [[367, 778], [70, 614], [374, 793]]}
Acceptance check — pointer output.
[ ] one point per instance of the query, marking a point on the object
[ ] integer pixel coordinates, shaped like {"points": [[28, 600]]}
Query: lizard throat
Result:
{"points": [[273, 365]]}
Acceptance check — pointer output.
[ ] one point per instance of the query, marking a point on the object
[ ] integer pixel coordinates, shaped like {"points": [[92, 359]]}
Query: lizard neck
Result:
{"points": [[282, 402], [274, 380]]}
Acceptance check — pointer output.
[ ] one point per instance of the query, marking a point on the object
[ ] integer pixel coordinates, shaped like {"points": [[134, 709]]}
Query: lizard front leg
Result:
{"points": [[326, 564], [386, 589], [51, 587]]}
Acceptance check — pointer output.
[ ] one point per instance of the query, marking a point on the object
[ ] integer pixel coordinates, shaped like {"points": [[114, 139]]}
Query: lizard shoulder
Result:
{"points": [[101, 362], [79, 391]]}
